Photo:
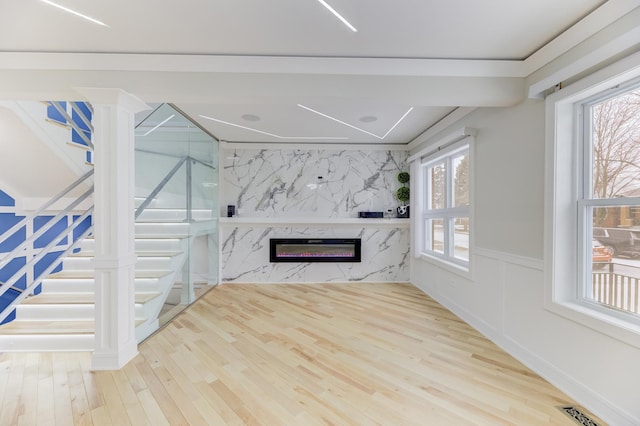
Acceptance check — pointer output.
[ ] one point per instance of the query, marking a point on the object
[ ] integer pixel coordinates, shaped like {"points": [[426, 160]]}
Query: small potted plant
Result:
{"points": [[403, 195]]}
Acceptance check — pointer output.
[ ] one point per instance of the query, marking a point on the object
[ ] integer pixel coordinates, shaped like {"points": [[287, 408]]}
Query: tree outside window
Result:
{"points": [[611, 200], [447, 209]]}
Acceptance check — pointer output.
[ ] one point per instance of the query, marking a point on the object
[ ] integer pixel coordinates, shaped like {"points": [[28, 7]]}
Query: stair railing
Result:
{"points": [[45, 206], [72, 123], [50, 248], [80, 113], [159, 187], [8, 285], [51, 223], [189, 160]]}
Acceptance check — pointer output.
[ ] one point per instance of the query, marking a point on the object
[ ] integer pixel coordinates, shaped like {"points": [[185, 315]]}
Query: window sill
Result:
{"points": [[448, 266], [618, 328]]}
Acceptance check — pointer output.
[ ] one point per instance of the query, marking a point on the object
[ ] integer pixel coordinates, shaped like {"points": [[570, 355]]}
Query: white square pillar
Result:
{"points": [[113, 219]]}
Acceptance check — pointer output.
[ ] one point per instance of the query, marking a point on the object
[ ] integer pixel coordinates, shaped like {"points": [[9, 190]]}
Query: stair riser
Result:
{"points": [[50, 285], [88, 285], [55, 312], [157, 278], [173, 215], [161, 229], [72, 312], [141, 244], [46, 343], [143, 263]]}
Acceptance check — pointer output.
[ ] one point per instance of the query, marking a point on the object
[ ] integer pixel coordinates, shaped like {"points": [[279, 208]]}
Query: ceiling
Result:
{"points": [[288, 71]]}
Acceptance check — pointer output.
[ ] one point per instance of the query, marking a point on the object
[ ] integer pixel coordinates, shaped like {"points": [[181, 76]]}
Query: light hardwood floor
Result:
{"points": [[356, 354]]}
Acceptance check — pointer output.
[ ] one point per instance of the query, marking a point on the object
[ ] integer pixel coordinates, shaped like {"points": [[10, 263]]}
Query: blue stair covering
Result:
{"points": [[75, 137], [5, 300], [9, 219], [54, 115]]}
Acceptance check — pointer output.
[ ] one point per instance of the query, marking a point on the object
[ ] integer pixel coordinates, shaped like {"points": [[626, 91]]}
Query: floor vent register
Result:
{"points": [[578, 416]]}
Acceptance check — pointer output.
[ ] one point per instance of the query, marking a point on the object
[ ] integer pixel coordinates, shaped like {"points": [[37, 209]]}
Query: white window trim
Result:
{"points": [[440, 148], [561, 192]]}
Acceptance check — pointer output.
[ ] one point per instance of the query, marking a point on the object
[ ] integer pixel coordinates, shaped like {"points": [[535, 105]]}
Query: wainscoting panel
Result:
{"points": [[504, 301]]}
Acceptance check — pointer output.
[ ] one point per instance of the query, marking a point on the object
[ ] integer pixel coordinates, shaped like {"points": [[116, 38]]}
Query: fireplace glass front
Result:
{"points": [[315, 250]]}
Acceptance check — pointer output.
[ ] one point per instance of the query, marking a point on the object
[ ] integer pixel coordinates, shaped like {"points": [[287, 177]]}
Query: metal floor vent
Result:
{"points": [[578, 416]]}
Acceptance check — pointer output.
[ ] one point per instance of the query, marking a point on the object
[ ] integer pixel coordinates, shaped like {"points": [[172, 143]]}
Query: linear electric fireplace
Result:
{"points": [[315, 250]]}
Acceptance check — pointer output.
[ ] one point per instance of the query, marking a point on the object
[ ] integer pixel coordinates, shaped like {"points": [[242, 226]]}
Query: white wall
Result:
{"points": [[505, 297], [32, 169]]}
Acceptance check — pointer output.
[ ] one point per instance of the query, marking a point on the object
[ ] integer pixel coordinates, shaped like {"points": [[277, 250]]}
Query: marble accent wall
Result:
{"points": [[245, 255], [313, 187], [279, 182]]}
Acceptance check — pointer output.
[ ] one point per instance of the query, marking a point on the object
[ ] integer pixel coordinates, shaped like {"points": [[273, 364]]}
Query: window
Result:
{"points": [[592, 221], [609, 198], [446, 209]]}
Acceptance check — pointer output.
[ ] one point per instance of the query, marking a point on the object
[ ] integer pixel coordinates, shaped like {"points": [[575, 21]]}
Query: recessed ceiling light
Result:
{"points": [[73, 12], [368, 119], [250, 117], [354, 127], [160, 124], [337, 15], [338, 121], [271, 134]]}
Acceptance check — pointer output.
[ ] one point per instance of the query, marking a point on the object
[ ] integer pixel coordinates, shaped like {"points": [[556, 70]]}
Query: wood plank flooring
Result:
{"points": [[329, 354]]}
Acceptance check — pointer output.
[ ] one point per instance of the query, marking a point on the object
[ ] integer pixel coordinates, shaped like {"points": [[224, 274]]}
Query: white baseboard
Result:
{"points": [[114, 360], [594, 402]]}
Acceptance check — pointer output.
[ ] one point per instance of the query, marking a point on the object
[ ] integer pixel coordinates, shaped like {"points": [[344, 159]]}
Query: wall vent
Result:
{"points": [[578, 416]]}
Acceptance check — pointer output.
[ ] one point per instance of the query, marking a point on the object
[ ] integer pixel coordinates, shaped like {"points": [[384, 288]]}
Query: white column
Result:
{"points": [[115, 257]]}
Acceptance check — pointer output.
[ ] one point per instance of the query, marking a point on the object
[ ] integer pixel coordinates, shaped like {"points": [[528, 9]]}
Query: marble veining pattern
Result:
{"points": [[271, 183], [323, 184], [245, 255]]}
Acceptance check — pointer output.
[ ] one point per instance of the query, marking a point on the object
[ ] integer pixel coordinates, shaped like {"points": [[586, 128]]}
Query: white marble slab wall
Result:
{"points": [[245, 255], [277, 184], [299, 182]]}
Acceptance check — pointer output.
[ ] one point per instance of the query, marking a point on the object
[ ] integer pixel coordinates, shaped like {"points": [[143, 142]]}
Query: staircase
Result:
{"points": [[61, 317], [58, 314]]}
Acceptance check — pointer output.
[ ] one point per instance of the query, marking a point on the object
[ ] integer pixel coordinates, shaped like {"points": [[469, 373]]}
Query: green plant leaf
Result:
{"points": [[403, 177], [403, 194]]}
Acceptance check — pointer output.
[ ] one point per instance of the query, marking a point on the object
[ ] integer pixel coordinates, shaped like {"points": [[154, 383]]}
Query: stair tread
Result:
{"points": [[48, 327], [80, 298], [178, 209], [153, 235], [24, 327], [141, 253], [163, 221], [45, 314], [138, 237], [91, 274]]}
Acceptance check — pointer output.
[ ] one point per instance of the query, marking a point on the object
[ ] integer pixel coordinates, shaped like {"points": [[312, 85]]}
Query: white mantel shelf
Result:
{"points": [[305, 221]]}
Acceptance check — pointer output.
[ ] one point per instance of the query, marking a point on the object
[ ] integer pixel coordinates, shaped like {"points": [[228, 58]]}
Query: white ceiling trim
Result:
{"points": [[587, 27], [259, 64], [323, 146], [453, 117], [600, 48], [590, 25]]}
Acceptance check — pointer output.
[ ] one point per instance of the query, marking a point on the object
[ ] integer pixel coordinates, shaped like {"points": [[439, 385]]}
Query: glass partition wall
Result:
{"points": [[176, 207]]}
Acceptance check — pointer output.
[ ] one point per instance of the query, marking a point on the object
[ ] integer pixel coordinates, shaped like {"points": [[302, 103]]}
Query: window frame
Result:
{"points": [[423, 238], [567, 226]]}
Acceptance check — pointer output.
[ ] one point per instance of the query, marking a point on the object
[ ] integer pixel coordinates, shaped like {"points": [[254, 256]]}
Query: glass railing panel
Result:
{"points": [[177, 182]]}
